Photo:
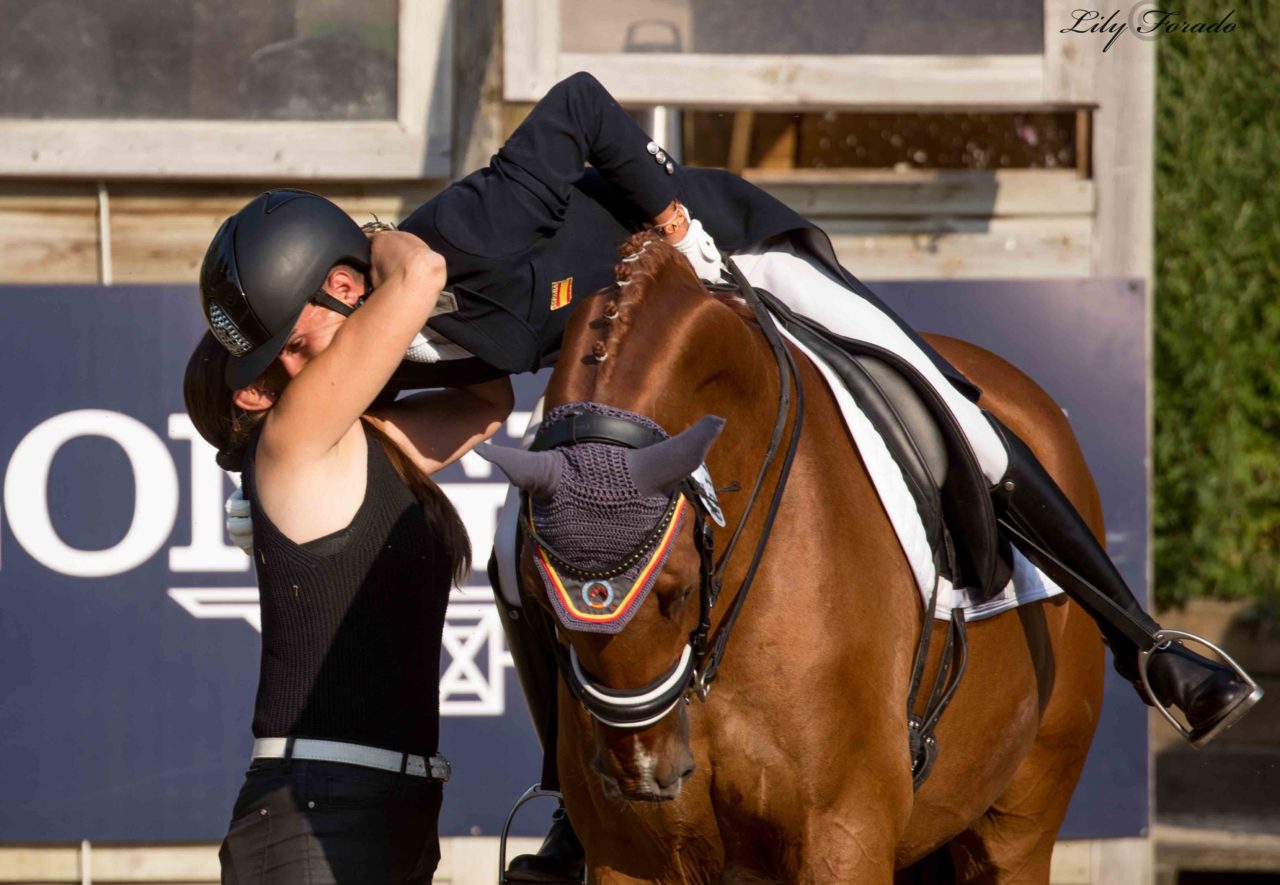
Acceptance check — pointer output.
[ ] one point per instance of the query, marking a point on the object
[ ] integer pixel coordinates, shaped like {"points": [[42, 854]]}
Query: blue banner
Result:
{"points": [[129, 627]]}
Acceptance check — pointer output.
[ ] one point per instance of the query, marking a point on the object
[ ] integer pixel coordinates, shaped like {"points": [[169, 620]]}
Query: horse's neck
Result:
{"points": [[673, 354]]}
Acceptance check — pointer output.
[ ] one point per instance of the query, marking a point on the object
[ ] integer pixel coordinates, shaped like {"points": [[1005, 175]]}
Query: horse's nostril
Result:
{"points": [[675, 778]]}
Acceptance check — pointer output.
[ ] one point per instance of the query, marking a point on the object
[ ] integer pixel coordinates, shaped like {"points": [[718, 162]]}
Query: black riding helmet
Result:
{"points": [[266, 263]]}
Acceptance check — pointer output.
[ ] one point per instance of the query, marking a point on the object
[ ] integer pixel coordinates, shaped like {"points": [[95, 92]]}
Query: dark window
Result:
{"points": [[206, 59], [882, 140], [804, 27]]}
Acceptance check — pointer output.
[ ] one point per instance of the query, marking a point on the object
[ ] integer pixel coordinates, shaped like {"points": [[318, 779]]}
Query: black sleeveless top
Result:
{"points": [[351, 622]]}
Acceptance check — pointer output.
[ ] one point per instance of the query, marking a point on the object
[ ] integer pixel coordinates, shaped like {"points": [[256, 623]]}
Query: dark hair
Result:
{"points": [[216, 417], [442, 516], [229, 429]]}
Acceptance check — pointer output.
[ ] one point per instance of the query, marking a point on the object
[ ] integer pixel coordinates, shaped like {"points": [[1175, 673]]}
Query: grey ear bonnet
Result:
{"points": [[595, 503], [585, 501]]}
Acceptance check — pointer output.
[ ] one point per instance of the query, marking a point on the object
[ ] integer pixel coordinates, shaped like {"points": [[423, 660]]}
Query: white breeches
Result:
{"points": [[809, 289]]}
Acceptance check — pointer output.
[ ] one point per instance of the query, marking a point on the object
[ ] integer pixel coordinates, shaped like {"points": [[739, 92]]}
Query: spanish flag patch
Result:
{"points": [[561, 293]]}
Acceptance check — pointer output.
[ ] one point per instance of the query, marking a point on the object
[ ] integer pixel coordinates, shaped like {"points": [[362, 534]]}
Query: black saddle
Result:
{"points": [[925, 439]]}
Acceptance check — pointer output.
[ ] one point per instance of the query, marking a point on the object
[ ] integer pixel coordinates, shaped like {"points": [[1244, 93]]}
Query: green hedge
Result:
{"points": [[1217, 312]]}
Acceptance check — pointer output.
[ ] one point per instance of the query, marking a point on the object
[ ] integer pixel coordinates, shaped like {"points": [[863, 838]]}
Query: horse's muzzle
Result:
{"points": [[653, 770], [645, 789]]}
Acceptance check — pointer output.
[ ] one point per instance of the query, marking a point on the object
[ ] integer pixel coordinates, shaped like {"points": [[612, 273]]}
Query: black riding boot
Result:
{"points": [[1211, 696], [561, 859]]}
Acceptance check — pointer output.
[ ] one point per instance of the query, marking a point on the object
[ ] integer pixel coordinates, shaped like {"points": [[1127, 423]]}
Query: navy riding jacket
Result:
{"points": [[535, 230]]}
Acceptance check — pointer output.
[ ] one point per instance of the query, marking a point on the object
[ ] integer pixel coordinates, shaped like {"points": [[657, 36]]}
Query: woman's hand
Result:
{"points": [[691, 240], [672, 223], [395, 254]]}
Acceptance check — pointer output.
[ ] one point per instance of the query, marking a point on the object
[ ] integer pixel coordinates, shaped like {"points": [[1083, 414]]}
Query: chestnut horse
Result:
{"points": [[796, 768]]}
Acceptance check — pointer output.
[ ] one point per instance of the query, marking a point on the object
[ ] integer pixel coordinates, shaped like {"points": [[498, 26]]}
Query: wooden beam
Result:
{"points": [[48, 232], [964, 248], [531, 48], [1070, 59], [824, 193], [160, 235], [477, 76], [213, 150], [794, 82], [740, 141]]}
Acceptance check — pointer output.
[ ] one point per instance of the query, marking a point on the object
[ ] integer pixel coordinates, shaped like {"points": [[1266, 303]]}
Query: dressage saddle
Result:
{"points": [[940, 469]]}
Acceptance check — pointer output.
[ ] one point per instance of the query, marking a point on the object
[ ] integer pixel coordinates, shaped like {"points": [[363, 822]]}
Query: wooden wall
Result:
{"points": [[885, 225], [149, 232]]}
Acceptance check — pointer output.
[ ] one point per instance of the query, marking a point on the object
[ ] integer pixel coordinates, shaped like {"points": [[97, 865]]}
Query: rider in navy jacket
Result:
{"points": [[535, 217]]}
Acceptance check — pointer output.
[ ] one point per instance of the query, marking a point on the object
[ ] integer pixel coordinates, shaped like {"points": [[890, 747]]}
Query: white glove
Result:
{"points": [[432, 348], [239, 522], [701, 250]]}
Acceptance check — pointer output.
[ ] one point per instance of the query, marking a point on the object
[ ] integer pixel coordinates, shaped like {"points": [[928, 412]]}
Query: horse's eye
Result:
{"points": [[671, 603]]}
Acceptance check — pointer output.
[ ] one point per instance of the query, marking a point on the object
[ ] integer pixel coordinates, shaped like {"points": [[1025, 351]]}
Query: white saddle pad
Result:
{"points": [[810, 291]]}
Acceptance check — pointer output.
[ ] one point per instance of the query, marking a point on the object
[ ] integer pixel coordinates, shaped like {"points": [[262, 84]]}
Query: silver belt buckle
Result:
{"points": [[439, 768]]}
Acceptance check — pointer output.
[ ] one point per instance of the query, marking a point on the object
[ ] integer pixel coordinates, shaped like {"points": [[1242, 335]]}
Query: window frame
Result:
{"points": [[414, 145], [1061, 75]]}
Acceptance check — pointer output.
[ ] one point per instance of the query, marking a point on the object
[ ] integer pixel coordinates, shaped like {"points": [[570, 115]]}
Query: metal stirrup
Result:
{"points": [[1163, 638], [534, 792]]}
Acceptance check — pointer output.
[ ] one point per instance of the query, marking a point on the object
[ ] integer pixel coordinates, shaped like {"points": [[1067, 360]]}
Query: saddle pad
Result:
{"points": [[1028, 584]]}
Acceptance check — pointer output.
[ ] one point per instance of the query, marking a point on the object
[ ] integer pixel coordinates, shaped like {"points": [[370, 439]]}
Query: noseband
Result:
{"points": [[699, 662]]}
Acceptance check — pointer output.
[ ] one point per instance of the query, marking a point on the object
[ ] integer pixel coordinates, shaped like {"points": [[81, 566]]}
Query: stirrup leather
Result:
{"points": [[1162, 640]]}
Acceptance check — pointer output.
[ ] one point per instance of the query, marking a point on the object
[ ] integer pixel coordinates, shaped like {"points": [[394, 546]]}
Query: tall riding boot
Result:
{"points": [[1056, 540], [561, 859]]}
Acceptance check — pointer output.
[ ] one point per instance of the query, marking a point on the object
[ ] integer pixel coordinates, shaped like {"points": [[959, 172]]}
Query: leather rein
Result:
{"points": [[694, 672]]}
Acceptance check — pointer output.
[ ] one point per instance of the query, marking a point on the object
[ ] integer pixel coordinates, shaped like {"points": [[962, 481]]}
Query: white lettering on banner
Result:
{"points": [[220, 602], [478, 504], [155, 483], [466, 688], [208, 550], [475, 467], [473, 646], [474, 649]]}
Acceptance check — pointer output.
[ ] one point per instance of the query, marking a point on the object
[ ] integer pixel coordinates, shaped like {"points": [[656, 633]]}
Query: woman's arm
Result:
{"points": [[323, 402], [437, 427]]}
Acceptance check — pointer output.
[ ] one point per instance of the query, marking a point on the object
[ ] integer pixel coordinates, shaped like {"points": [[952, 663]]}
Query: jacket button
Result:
{"points": [[660, 157], [671, 167], [651, 147]]}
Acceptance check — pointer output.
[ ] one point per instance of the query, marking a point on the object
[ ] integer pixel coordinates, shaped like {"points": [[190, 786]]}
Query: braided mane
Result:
{"points": [[644, 256]]}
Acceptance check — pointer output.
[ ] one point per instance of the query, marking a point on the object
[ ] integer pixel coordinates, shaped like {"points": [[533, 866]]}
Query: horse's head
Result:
{"points": [[604, 552], [615, 528]]}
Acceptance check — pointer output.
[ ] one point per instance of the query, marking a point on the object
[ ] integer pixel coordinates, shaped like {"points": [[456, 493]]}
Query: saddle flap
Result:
{"points": [[940, 468]]}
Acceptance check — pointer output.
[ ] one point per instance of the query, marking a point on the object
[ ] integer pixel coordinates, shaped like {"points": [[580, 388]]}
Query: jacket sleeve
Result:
{"points": [[524, 192]]}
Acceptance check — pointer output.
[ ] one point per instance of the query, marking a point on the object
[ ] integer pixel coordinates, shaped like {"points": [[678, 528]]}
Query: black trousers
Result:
{"points": [[305, 822]]}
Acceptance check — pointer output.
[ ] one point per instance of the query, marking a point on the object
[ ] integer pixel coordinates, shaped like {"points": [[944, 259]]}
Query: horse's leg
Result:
{"points": [[849, 844], [1013, 841]]}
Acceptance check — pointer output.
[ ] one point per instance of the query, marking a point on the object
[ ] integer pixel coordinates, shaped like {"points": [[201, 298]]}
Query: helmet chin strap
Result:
{"points": [[327, 301]]}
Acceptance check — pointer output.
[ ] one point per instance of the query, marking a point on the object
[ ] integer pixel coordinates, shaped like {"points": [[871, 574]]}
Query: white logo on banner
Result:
{"points": [[475, 658]]}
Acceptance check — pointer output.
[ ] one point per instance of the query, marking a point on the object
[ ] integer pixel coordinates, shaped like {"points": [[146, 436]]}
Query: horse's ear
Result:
{"points": [[658, 469], [537, 473]]}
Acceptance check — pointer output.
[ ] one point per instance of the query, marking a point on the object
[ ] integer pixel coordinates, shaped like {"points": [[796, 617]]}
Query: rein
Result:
{"points": [[700, 661]]}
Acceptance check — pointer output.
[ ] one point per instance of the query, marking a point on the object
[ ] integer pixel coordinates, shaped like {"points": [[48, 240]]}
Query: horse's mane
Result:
{"points": [[645, 257]]}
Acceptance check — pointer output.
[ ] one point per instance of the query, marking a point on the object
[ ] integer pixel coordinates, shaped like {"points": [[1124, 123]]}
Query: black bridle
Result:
{"points": [[699, 663]]}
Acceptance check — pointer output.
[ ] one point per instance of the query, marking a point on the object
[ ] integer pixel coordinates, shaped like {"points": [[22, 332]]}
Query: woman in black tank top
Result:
{"points": [[355, 549]]}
